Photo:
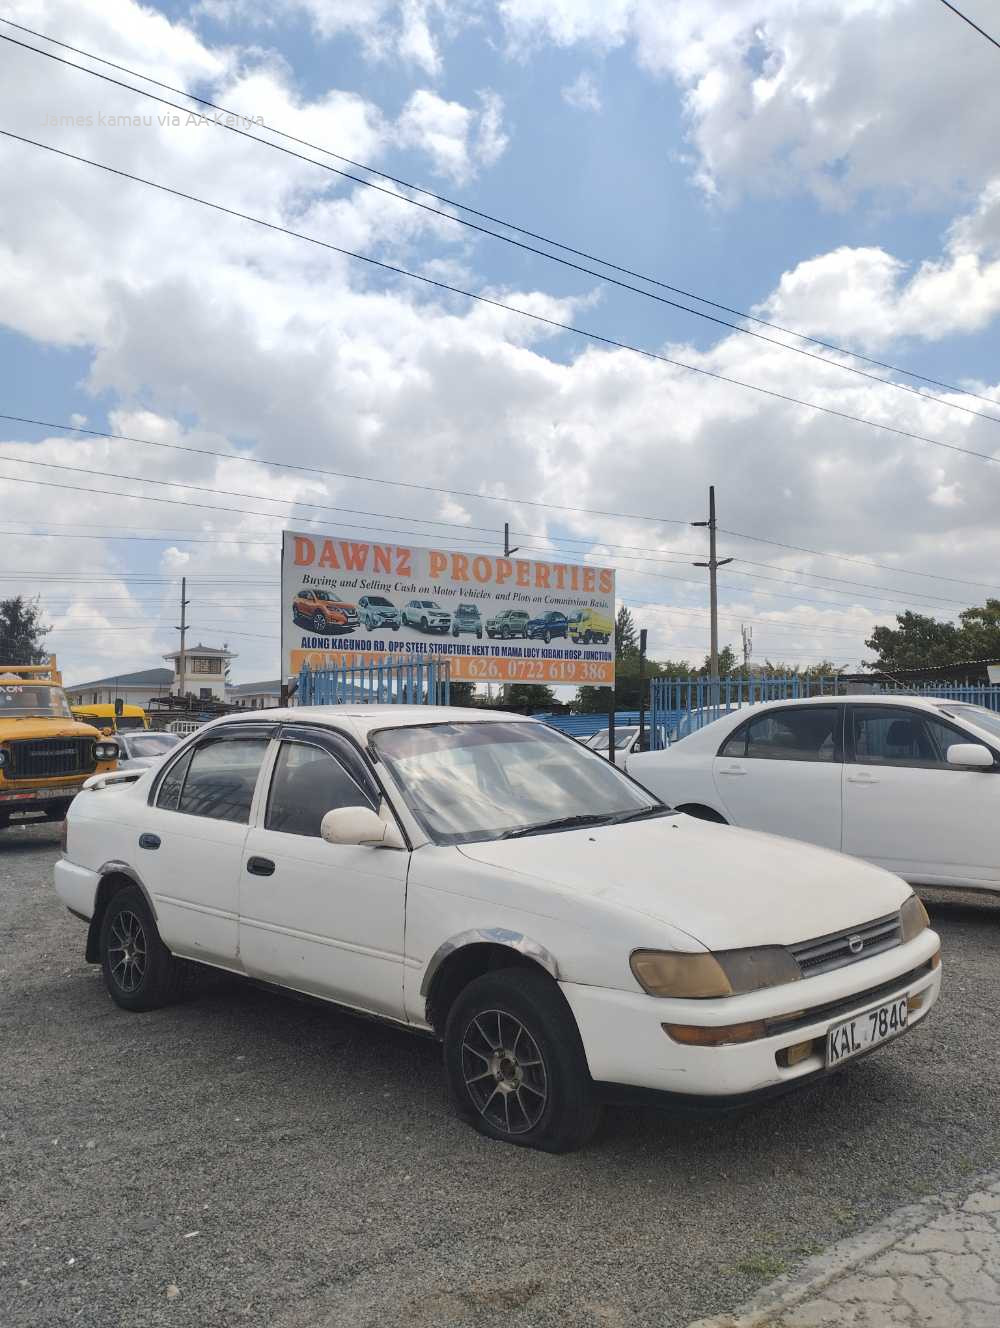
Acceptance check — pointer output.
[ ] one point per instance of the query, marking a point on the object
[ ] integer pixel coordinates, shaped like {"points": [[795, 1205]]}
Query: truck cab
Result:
{"points": [[45, 753]]}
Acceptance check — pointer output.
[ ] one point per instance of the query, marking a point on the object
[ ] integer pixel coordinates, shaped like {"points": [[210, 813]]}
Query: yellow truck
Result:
{"points": [[45, 754], [588, 626], [112, 718]]}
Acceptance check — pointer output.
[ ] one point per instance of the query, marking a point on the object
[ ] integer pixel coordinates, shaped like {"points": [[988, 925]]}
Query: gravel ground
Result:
{"points": [[243, 1158]]}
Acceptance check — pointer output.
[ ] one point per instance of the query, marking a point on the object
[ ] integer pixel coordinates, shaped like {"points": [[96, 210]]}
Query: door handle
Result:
{"points": [[260, 866], [732, 770], [149, 841], [861, 779]]}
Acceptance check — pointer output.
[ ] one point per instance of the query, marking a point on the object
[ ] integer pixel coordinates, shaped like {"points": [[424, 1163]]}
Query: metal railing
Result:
{"points": [[396, 680], [679, 706]]}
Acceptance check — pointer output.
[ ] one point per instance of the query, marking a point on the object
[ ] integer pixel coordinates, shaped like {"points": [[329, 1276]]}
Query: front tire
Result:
{"points": [[318, 622], [515, 1063], [139, 970]]}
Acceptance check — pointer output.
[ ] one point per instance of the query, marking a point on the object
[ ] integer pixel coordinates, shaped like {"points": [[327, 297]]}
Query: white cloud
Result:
{"points": [[458, 140], [583, 93]]}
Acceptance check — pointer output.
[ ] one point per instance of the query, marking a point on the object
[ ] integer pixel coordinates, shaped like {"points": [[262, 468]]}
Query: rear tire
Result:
{"points": [[139, 970], [58, 811], [515, 1063]]}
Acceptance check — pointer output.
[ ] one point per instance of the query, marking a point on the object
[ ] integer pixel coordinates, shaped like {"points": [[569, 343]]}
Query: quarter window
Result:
{"points": [[307, 783], [221, 778], [809, 734]]}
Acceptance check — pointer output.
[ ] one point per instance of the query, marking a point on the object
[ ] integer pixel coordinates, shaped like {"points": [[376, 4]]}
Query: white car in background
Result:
{"points": [[911, 784], [486, 879], [139, 749]]}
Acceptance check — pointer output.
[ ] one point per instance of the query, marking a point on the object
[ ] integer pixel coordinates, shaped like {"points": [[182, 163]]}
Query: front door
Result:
{"points": [[322, 918], [907, 809], [190, 842], [781, 772]]}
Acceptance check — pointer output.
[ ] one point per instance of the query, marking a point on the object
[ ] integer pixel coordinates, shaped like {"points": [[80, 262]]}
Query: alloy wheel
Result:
{"points": [[127, 951], [504, 1072]]}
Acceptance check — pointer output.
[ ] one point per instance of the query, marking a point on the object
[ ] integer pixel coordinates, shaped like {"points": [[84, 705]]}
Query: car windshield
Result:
{"points": [[18, 701], [147, 745], [466, 782], [978, 715], [376, 601], [321, 594], [622, 738]]}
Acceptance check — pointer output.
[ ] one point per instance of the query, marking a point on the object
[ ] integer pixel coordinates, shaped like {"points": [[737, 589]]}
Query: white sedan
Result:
{"points": [[486, 879], [912, 784]]}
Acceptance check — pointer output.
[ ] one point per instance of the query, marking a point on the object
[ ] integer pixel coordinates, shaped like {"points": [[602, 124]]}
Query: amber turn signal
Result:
{"points": [[697, 1035]]}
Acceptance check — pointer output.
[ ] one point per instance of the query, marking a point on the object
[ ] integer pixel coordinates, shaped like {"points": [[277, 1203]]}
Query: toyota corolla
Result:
{"points": [[484, 879]]}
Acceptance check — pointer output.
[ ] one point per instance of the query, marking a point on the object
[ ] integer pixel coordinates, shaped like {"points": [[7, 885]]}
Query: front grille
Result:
{"points": [[788, 1023], [846, 947], [44, 758]]}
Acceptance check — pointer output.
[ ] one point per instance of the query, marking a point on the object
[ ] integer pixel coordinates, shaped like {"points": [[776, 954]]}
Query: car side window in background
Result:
{"points": [[736, 743], [169, 792], [307, 783], [221, 779], [899, 737], [809, 734]]}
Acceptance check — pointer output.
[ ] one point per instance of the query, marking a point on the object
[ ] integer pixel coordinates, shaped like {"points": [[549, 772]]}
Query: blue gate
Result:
{"points": [[679, 706], [399, 680]]}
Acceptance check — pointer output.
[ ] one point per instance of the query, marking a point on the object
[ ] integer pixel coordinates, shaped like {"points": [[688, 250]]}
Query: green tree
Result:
{"points": [[21, 632], [626, 637], [528, 696], [918, 641], [728, 661], [980, 631], [462, 693]]}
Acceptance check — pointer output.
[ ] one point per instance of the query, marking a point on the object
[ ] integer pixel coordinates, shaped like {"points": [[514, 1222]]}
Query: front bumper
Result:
{"points": [[627, 1048], [38, 798]]}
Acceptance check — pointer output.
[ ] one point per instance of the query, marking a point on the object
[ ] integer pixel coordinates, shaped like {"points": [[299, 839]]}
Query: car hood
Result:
{"points": [[32, 727], [725, 887]]}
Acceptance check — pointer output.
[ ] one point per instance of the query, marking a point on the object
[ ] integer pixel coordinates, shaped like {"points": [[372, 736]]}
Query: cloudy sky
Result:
{"points": [[830, 166]]}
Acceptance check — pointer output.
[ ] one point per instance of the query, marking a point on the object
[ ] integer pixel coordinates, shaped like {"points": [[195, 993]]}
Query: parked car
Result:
{"points": [[484, 878], [376, 611], [548, 626], [142, 748], [587, 626], [467, 619], [323, 612], [426, 615], [508, 624], [626, 742], [912, 784]]}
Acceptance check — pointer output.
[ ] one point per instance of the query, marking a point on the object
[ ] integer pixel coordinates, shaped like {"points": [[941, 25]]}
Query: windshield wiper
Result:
{"points": [[560, 823], [641, 814]]}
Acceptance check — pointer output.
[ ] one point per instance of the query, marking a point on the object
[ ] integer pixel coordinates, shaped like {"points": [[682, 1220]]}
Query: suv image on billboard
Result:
{"points": [[512, 622], [549, 625], [323, 612], [426, 615], [467, 619], [376, 611], [589, 625]]}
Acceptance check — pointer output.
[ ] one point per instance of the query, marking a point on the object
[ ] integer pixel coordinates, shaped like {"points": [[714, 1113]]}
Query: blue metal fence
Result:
{"points": [[583, 726], [398, 680], [678, 706]]}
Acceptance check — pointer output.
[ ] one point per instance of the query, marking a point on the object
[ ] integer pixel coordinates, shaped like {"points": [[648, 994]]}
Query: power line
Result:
{"points": [[964, 17], [499, 221], [499, 304]]}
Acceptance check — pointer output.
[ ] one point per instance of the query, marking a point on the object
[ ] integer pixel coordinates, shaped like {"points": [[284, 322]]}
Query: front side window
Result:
{"points": [[307, 783], [470, 781], [808, 734], [220, 779], [893, 736]]}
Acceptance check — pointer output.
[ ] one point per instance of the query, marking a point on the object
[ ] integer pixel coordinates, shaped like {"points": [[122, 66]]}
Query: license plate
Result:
{"points": [[866, 1030], [33, 795]]}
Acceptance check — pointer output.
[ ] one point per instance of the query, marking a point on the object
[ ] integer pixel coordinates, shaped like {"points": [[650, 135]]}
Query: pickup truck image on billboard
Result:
{"points": [[496, 618]]}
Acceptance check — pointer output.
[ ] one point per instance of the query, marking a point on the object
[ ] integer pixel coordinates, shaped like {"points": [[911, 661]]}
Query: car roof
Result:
{"points": [[363, 719]]}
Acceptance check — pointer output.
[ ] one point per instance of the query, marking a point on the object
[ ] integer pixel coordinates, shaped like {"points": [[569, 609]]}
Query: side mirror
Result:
{"points": [[359, 825], [971, 754]]}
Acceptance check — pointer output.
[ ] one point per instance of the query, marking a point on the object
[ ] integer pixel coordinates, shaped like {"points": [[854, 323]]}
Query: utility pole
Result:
{"points": [[183, 631], [713, 566], [507, 550], [642, 689]]}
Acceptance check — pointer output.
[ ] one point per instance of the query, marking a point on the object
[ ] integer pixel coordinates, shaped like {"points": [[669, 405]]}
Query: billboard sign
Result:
{"points": [[497, 619]]}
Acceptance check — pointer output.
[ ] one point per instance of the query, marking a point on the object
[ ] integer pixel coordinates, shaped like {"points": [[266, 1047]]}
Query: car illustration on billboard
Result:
{"points": [[510, 623], [548, 626], [466, 619], [323, 612], [426, 615], [377, 611]]}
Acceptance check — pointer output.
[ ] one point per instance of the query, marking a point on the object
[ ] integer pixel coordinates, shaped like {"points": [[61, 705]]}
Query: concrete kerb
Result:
{"points": [[787, 1292]]}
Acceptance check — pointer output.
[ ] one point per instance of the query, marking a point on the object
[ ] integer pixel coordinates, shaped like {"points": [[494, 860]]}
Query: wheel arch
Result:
{"points": [[114, 877], [702, 812], [469, 955]]}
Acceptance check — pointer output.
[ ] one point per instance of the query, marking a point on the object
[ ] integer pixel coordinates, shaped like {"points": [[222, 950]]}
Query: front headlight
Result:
{"points": [[106, 751], [702, 976], [913, 919]]}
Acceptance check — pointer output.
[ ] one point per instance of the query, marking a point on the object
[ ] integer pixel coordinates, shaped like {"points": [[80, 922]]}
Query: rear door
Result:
{"points": [[322, 918], [907, 809], [780, 771], [190, 843]]}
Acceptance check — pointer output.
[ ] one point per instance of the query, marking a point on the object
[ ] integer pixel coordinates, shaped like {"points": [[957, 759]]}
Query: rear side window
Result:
{"points": [[221, 777], [807, 734]]}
